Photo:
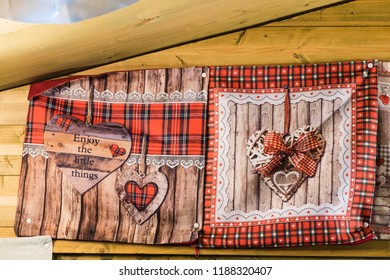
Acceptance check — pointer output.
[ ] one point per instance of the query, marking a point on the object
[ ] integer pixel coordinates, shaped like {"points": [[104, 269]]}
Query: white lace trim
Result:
{"points": [[157, 160], [124, 97]]}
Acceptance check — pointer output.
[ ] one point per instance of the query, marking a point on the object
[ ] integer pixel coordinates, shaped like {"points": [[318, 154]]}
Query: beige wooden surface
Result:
{"points": [[356, 30], [145, 26]]}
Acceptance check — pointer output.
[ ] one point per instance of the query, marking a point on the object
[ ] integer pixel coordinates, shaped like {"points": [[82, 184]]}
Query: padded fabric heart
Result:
{"points": [[86, 154]]}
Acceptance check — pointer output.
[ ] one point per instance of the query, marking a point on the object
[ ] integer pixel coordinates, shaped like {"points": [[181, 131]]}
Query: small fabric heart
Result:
{"points": [[116, 151], [64, 123], [141, 197]]}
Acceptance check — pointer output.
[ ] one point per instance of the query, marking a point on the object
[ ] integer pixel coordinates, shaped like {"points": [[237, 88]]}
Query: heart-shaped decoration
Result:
{"points": [[86, 154], [141, 196], [284, 177], [385, 99]]}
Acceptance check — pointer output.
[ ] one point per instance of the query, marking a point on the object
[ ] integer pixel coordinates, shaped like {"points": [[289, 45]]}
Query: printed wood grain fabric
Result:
{"points": [[167, 106], [381, 211], [332, 207]]}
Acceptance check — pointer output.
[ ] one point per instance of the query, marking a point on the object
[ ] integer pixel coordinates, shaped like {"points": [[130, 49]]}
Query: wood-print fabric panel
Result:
{"points": [[232, 224], [167, 105]]}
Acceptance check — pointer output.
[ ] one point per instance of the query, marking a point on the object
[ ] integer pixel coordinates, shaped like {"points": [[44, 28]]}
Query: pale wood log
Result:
{"points": [[326, 168], [265, 191], [269, 46], [11, 140], [154, 24], [313, 192]]}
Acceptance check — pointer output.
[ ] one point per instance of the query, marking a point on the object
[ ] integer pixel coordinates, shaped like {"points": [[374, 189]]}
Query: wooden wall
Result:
{"points": [[356, 30]]}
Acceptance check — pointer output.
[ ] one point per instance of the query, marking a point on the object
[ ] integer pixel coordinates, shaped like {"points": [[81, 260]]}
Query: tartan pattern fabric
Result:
{"points": [[64, 123], [172, 128], [141, 197], [117, 151], [299, 233], [384, 153], [273, 145]]}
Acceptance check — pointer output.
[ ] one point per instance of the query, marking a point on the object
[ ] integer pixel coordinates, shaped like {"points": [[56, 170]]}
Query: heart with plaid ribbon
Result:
{"points": [[141, 196], [85, 154], [284, 161]]}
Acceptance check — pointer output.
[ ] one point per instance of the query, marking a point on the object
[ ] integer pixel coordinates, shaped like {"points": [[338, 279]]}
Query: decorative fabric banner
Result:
{"points": [[245, 210], [89, 187]]}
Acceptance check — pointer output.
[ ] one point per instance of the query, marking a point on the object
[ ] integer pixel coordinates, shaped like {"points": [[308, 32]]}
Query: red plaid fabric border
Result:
{"points": [[172, 128], [301, 233], [141, 197]]}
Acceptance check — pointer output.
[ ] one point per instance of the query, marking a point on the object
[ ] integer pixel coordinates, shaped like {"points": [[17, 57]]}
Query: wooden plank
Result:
{"points": [[231, 154], [252, 179], [70, 211], [7, 232], [372, 249], [354, 13], [240, 169], [313, 193], [10, 165], [152, 24], [187, 189], [269, 46], [336, 151], [265, 191], [52, 200], [11, 140], [326, 168], [30, 215], [277, 126], [303, 119]]}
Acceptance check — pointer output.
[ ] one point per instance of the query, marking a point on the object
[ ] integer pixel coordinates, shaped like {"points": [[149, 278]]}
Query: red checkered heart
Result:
{"points": [[117, 151], [141, 196], [385, 99], [85, 154]]}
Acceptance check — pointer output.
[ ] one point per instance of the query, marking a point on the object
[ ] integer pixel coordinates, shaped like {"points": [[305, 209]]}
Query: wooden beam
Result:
{"points": [[269, 46], [372, 249], [41, 52]]}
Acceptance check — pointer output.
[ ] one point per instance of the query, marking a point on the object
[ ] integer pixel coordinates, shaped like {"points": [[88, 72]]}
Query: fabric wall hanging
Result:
{"points": [[291, 172], [118, 157], [381, 211]]}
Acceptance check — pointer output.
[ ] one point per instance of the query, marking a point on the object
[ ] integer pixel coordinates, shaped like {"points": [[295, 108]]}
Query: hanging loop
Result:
{"points": [[142, 163], [91, 91]]}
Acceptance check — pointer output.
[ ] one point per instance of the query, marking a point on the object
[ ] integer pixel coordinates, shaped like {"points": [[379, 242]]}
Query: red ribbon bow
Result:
{"points": [[296, 153]]}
